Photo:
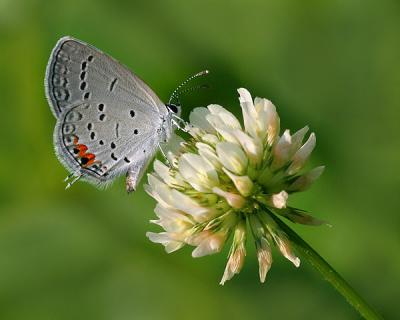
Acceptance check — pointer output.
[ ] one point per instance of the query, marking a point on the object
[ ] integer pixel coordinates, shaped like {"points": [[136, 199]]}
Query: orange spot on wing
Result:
{"points": [[90, 156], [82, 149], [89, 159]]}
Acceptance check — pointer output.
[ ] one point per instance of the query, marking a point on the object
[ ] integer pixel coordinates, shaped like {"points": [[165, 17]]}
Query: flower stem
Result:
{"points": [[329, 274]]}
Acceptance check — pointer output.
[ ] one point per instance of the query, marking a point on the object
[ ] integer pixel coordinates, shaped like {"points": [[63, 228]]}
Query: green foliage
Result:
{"points": [[83, 254]]}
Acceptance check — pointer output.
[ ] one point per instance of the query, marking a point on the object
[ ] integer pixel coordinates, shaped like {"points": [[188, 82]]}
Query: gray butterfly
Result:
{"points": [[109, 122]]}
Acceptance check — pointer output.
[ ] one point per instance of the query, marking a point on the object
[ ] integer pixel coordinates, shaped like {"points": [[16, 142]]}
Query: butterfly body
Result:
{"points": [[109, 122]]}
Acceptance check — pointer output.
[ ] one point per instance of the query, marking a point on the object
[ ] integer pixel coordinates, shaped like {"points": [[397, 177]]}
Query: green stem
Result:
{"points": [[334, 278]]}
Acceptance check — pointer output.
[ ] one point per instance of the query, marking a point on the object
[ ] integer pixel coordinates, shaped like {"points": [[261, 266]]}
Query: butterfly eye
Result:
{"points": [[173, 108]]}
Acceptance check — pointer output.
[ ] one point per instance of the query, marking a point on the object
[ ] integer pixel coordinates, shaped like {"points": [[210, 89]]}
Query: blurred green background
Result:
{"points": [[83, 254]]}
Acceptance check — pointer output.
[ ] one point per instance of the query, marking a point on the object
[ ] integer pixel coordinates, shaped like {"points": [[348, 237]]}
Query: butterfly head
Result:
{"points": [[174, 108]]}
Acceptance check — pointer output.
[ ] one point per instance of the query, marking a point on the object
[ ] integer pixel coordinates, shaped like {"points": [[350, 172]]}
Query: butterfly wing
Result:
{"points": [[78, 72], [99, 141], [109, 121]]}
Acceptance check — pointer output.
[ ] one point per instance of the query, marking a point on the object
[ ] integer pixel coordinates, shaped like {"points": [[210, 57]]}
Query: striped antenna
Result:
{"points": [[175, 93], [194, 88]]}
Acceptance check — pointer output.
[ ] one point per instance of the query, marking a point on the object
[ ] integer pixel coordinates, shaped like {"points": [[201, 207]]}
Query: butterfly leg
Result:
{"points": [[68, 177], [180, 123], [75, 179], [164, 155], [131, 179], [135, 173]]}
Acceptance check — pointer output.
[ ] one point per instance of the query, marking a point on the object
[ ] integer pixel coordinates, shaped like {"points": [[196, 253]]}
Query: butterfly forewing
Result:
{"points": [[78, 72]]}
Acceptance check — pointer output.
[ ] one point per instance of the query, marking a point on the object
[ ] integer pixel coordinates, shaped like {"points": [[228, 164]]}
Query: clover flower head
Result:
{"points": [[230, 179]]}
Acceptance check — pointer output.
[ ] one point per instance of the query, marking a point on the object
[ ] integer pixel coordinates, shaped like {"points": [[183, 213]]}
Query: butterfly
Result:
{"points": [[109, 122]]}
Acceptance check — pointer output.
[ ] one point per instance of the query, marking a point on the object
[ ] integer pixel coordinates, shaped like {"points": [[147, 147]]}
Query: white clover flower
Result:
{"points": [[228, 179]]}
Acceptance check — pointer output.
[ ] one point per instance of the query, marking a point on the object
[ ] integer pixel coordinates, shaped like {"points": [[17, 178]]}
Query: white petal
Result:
{"points": [[215, 121], [306, 180], [208, 154], [221, 126], [169, 213], [164, 238], [195, 132], [171, 179], [234, 200], [237, 253], [285, 248], [196, 238], [173, 246], [172, 198], [279, 199], [264, 254], [280, 239], [158, 190], [242, 183], [187, 170], [264, 257], [232, 157], [198, 119], [261, 106], [249, 112], [211, 139], [198, 171], [161, 237], [297, 138], [210, 245], [154, 182], [252, 146], [267, 120], [186, 204], [228, 135], [161, 169], [302, 155], [174, 225], [281, 151], [171, 220], [227, 118]]}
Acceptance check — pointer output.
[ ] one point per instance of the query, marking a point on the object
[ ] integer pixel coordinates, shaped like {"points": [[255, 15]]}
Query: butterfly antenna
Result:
{"points": [[194, 88], [175, 93]]}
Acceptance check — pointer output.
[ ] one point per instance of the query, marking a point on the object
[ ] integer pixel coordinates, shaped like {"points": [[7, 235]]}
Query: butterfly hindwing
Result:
{"points": [[100, 144]]}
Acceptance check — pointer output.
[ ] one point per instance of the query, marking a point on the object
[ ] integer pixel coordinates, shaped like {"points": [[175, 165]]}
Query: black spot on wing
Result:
{"points": [[68, 128], [113, 83], [84, 160], [117, 130]]}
